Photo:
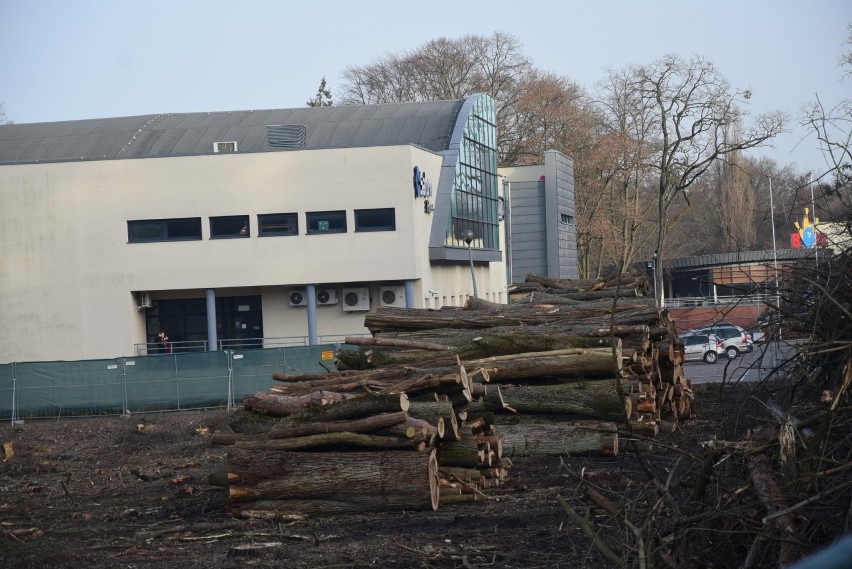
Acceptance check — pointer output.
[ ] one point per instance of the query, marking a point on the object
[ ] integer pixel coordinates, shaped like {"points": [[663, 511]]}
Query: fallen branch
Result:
{"points": [[591, 533]]}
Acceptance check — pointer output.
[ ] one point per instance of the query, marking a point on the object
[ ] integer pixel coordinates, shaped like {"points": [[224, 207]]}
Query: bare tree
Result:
{"points": [[737, 197], [444, 69], [440, 69], [693, 108], [547, 112], [3, 118], [619, 180], [833, 129], [846, 57]]}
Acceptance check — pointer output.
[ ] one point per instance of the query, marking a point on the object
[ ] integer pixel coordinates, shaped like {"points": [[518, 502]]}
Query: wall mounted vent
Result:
{"points": [[143, 300], [326, 296], [225, 146], [298, 298], [392, 296], [356, 299], [286, 136]]}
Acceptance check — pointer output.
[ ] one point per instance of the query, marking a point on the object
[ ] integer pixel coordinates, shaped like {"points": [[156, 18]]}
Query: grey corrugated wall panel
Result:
{"points": [[528, 234], [541, 244], [562, 237]]}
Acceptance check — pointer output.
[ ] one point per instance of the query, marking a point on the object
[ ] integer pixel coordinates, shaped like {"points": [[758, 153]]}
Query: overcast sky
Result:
{"points": [[76, 59]]}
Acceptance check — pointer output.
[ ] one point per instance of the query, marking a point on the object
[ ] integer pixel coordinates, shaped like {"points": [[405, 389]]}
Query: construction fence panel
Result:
{"points": [[253, 369], [202, 379], [159, 382], [7, 390], [176, 381], [50, 389]]}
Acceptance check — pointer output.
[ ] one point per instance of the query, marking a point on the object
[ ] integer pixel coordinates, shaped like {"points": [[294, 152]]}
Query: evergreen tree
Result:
{"points": [[323, 96]]}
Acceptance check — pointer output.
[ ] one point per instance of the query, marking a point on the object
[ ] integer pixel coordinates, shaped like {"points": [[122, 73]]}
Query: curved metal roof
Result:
{"points": [[428, 125], [737, 258]]}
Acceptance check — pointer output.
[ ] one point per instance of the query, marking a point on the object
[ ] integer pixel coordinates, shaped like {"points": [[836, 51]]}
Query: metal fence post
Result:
{"points": [[177, 383], [230, 354], [15, 419], [125, 411]]}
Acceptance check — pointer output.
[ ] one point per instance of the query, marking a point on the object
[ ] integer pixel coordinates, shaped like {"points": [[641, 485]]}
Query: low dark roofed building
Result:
{"points": [[427, 125]]}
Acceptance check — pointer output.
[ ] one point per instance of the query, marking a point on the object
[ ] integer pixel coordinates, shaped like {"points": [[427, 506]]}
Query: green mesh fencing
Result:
{"points": [[176, 381], [253, 369], [7, 390], [48, 389], [148, 383]]}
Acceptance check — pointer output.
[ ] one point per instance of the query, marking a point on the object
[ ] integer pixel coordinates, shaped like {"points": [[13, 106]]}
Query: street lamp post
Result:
{"points": [[774, 252], [654, 266], [467, 235], [813, 214]]}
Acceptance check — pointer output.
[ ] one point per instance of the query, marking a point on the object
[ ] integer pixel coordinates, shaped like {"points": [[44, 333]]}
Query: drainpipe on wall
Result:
{"points": [[311, 291], [212, 339]]}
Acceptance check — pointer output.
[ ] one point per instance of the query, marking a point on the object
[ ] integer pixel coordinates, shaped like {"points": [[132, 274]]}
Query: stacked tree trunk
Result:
{"points": [[433, 407], [380, 439], [591, 357]]}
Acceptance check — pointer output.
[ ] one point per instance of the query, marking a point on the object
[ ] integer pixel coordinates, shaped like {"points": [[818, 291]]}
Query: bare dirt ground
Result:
{"points": [[107, 492]]}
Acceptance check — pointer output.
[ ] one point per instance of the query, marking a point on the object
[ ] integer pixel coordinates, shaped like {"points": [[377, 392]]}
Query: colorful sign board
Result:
{"points": [[807, 235]]}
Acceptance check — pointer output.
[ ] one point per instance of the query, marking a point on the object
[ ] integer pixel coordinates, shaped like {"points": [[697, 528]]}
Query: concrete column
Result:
{"points": [[409, 294], [212, 339], [311, 291]]}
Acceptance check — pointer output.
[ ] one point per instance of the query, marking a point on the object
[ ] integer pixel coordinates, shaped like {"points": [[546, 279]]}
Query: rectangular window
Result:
{"points": [[272, 224], [375, 219], [229, 226], [149, 230], [566, 219], [326, 222]]}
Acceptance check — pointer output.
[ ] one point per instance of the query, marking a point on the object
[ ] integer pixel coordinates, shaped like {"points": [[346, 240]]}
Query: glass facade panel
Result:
{"points": [[475, 204]]}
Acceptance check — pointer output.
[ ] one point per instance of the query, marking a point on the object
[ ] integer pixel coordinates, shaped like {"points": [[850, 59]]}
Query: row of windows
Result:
{"points": [[268, 225]]}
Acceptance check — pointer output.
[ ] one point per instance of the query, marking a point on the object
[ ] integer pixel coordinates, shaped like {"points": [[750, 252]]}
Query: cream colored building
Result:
{"points": [[261, 228]]}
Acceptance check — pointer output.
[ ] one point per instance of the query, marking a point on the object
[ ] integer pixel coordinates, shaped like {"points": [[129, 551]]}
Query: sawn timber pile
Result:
{"points": [[433, 406]]}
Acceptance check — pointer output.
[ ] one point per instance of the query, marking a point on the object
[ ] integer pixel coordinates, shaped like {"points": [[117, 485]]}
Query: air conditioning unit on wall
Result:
{"points": [[392, 296], [326, 296], [298, 298], [356, 299], [143, 300]]}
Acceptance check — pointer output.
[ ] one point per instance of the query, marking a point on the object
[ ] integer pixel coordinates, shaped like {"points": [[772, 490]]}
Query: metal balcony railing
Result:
{"points": [[155, 348], [696, 301]]}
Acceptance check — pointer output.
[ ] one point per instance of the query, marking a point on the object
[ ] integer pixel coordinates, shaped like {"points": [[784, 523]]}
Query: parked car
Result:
{"points": [[757, 334], [702, 347], [736, 340]]}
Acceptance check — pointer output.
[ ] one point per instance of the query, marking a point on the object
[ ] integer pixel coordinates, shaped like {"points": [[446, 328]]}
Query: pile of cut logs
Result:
{"points": [[434, 405]]}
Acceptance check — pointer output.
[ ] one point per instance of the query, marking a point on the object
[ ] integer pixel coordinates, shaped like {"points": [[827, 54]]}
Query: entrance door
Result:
{"points": [[239, 323]]}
